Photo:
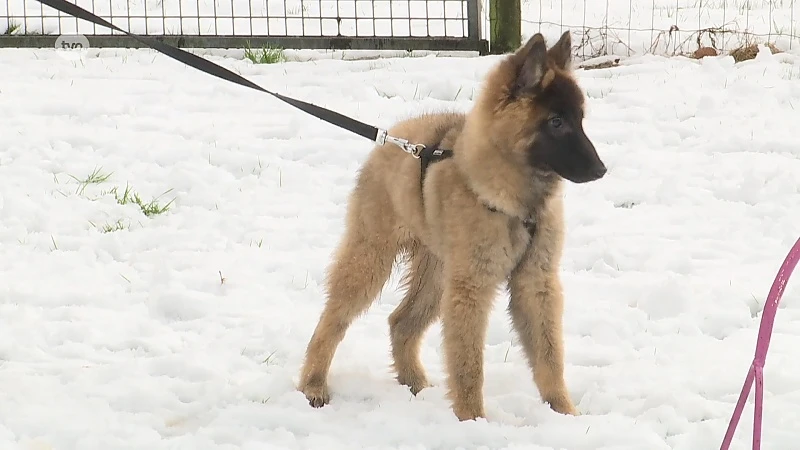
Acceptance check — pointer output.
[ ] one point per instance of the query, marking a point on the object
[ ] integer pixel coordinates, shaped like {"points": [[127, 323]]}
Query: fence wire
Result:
{"points": [[664, 27], [352, 18], [599, 27]]}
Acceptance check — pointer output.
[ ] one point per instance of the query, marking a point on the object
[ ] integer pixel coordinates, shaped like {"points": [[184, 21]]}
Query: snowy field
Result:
{"points": [[185, 328]]}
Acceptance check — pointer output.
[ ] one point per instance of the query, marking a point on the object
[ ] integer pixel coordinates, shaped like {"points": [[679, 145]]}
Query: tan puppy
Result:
{"points": [[490, 214]]}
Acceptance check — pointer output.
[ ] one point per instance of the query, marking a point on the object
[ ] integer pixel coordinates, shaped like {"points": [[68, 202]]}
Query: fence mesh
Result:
{"points": [[599, 27], [664, 27], [352, 18]]}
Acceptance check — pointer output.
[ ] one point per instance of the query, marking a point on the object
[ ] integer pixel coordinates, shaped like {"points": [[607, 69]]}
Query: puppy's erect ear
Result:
{"points": [[561, 51], [532, 65]]}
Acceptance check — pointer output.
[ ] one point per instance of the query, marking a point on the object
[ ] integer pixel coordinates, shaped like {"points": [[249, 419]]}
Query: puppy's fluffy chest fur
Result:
{"points": [[458, 219]]}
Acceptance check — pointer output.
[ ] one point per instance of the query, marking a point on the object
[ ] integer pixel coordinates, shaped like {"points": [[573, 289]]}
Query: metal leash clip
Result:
{"points": [[414, 150]]}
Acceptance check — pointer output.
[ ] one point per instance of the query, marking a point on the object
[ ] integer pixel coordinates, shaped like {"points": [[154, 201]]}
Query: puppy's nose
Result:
{"points": [[600, 171]]}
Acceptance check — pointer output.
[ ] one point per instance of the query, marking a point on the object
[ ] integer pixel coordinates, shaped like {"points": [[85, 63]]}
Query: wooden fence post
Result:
{"points": [[505, 25]]}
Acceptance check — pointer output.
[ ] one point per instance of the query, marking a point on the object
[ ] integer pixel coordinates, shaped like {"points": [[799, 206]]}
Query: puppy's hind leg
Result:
{"points": [[361, 267], [412, 317]]}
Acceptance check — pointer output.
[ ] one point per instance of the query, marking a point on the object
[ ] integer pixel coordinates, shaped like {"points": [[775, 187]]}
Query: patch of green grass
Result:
{"points": [[117, 226], [149, 209], [266, 55], [111, 227], [12, 27], [15, 28], [123, 197], [93, 178], [268, 359]]}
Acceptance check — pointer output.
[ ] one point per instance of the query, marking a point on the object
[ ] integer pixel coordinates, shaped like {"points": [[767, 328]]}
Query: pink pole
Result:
{"points": [[756, 371]]}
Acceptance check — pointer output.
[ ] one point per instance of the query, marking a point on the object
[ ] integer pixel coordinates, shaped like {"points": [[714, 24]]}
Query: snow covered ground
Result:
{"points": [[186, 329]]}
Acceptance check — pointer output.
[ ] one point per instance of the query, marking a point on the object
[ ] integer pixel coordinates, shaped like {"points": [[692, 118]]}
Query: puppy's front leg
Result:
{"points": [[465, 309], [536, 308]]}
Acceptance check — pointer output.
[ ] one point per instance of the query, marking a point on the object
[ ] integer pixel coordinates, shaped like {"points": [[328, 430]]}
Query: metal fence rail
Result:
{"points": [[335, 24]]}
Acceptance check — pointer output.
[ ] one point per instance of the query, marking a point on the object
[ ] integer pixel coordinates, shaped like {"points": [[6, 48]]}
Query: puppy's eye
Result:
{"points": [[556, 121]]}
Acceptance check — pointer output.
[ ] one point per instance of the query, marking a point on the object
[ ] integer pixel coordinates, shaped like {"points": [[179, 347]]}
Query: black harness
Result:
{"points": [[430, 155], [434, 154]]}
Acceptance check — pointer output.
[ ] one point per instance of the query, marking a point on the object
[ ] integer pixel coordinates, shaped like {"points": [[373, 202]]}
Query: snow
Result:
{"points": [[187, 329]]}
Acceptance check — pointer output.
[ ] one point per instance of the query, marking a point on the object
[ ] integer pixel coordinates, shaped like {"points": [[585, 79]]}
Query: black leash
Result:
{"points": [[370, 132]]}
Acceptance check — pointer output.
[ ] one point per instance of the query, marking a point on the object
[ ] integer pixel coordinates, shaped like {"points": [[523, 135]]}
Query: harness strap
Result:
{"points": [[434, 154], [430, 155]]}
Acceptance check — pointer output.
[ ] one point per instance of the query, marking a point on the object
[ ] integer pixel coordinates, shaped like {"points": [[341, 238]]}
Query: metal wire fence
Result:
{"points": [[664, 27], [599, 27], [321, 24], [372, 18]]}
